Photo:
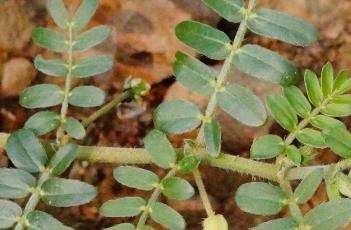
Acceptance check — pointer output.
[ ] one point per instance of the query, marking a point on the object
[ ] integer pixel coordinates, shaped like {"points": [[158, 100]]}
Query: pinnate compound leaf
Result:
{"points": [[323, 122], [263, 64], [338, 139], [242, 105], [58, 12], [25, 151], [308, 186], [311, 138], [278, 224], [167, 217], [52, 67], [40, 221], [297, 100], [336, 110], [188, 164], [176, 188], [160, 149], [41, 96], [313, 88], [266, 147], [260, 198], [42, 122], [125, 226], [91, 38], [205, 39], [230, 10], [331, 215], [123, 207], [59, 192], [87, 96], [49, 39], [15, 183], [281, 26], [9, 211], [194, 74], [63, 159], [91, 66], [177, 117], [282, 111], [84, 13], [134, 177], [327, 79], [213, 137], [74, 128]]}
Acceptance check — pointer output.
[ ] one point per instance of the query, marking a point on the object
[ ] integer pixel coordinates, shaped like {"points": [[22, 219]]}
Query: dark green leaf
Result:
{"points": [[43, 122], [293, 154], [323, 122], [125, 226], [213, 137], [205, 39], [260, 198], [193, 74], [311, 137], [9, 212], [41, 96], [327, 79], [123, 207], [337, 110], [74, 128], [278, 224], [313, 88], [281, 26], [298, 101], [308, 186], [230, 10], [134, 177], [91, 38], [25, 151], [58, 12], [342, 76], [266, 147], [167, 217], [160, 149], [41, 221], [84, 13], [49, 39], [87, 96], [52, 67], [176, 188], [15, 183], [59, 192], [92, 66], [188, 164], [243, 105], [63, 159], [263, 64], [176, 117], [338, 140]]}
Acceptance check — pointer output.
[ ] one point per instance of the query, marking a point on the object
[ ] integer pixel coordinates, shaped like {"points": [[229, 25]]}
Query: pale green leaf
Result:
{"points": [[313, 88], [308, 186], [344, 87], [49, 39], [41, 96], [43, 122], [338, 140], [327, 79], [278, 224], [63, 159], [87, 96], [336, 110], [342, 76], [341, 99], [74, 128], [9, 211], [91, 38], [228, 9], [176, 188], [188, 164], [51, 67], [58, 12], [41, 221], [311, 137], [323, 122], [298, 101], [123, 207], [15, 183], [92, 66], [293, 153], [213, 137], [266, 147], [84, 13], [166, 216]]}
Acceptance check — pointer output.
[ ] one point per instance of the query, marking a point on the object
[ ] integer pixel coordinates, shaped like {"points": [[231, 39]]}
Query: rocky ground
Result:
{"points": [[143, 44]]}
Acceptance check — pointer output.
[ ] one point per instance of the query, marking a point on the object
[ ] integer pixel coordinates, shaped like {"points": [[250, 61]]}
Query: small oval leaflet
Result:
{"points": [[123, 207], [166, 216], [49, 39], [74, 128], [9, 211], [266, 147], [91, 38], [87, 96], [43, 122], [41, 96], [51, 67], [15, 183], [311, 137], [63, 159], [297, 100], [40, 220], [230, 10], [176, 188], [278, 224], [91, 66], [313, 88], [213, 137]]}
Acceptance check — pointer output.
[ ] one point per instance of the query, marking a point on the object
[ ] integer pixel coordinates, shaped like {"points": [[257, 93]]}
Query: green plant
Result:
{"points": [[312, 122]]}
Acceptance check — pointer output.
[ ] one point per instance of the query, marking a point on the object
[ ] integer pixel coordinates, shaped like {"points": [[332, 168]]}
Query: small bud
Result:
{"points": [[138, 86], [215, 222]]}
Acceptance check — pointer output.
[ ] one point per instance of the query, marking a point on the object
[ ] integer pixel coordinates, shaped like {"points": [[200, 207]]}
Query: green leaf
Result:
{"points": [[338, 140], [313, 88], [74, 128], [49, 39], [331, 215], [59, 192], [91, 38], [125, 226], [323, 122], [15, 183], [52, 67], [282, 111], [176, 188], [205, 39], [311, 137], [341, 99], [134, 177], [194, 74], [293, 154], [242, 105], [281, 26], [63, 159], [298, 101], [188, 164], [213, 137], [278, 224], [91, 66], [41, 221], [342, 76], [263, 64], [327, 79], [123, 207], [41, 96], [344, 87], [266, 147], [84, 13], [87, 96], [337, 110], [42, 122], [9, 211], [58, 12], [160, 149], [176, 117], [344, 184], [308, 186], [260, 198], [166, 216], [25, 151], [230, 10]]}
